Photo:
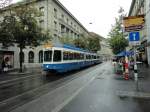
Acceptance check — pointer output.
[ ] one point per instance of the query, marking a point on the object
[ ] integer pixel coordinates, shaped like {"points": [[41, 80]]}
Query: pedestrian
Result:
{"points": [[4, 64], [123, 63], [132, 64]]}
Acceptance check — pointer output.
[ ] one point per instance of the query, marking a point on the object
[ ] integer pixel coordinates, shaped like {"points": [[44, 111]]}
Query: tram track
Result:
{"points": [[44, 88], [17, 79]]}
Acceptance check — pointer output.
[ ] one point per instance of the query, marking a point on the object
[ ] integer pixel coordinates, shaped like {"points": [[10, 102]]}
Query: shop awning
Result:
{"points": [[125, 53]]}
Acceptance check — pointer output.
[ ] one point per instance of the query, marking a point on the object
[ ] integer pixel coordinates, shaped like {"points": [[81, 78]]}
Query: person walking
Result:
{"points": [[4, 65]]}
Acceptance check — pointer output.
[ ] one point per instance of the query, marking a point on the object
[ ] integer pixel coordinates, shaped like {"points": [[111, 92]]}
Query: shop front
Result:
{"points": [[7, 57]]}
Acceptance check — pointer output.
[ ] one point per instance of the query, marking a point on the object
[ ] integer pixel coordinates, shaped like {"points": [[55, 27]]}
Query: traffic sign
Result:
{"points": [[134, 36]]}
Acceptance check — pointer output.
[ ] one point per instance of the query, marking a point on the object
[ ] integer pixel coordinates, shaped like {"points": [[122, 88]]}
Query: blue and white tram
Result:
{"points": [[67, 58]]}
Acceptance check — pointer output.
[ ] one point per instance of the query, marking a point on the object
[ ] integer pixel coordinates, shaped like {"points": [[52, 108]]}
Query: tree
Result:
{"points": [[117, 40], [93, 44], [81, 42], [66, 40], [20, 27]]}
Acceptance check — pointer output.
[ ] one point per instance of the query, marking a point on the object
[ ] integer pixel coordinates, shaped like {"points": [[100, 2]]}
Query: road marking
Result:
{"points": [[60, 106], [15, 79], [30, 91], [62, 102]]}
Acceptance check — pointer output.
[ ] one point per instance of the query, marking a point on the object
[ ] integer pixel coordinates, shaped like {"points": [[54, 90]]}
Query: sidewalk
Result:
{"points": [[108, 94], [14, 73]]}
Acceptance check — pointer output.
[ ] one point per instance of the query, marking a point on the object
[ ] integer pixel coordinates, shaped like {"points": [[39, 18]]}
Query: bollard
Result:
{"points": [[136, 76], [126, 75]]}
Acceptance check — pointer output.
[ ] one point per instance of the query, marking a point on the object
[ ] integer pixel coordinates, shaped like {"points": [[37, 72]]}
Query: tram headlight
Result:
{"points": [[47, 66]]}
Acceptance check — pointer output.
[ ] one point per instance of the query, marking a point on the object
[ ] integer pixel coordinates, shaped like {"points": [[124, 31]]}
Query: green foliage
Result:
{"points": [[117, 40], [93, 44], [21, 27], [66, 40], [81, 42], [90, 43], [118, 44]]}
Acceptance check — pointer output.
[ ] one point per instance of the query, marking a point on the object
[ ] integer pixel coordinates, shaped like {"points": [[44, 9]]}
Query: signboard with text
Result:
{"points": [[133, 23]]}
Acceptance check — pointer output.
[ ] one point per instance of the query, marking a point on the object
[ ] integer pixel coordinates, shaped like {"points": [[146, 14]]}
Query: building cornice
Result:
{"points": [[18, 4], [26, 2], [66, 10]]}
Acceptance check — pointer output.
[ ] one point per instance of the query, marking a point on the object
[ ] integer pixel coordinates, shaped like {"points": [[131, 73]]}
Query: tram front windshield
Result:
{"points": [[48, 56]]}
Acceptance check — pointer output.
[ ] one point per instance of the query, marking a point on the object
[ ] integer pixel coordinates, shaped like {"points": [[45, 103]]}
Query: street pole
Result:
{"points": [[135, 70]]}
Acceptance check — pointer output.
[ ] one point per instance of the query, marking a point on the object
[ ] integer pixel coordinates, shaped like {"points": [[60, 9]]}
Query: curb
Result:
{"points": [[133, 94]]}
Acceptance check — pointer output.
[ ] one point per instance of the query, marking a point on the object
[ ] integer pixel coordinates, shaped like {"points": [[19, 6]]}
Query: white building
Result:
{"points": [[105, 50], [56, 18]]}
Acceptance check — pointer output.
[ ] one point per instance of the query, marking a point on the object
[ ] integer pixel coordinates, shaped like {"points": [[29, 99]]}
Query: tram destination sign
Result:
{"points": [[133, 23]]}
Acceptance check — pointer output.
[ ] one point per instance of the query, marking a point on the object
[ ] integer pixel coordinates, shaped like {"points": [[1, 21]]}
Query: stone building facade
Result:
{"points": [[142, 7], [105, 49], [56, 18]]}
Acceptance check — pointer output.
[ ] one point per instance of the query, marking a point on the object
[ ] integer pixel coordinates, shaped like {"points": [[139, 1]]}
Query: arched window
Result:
{"points": [[31, 57], [40, 56], [22, 56]]}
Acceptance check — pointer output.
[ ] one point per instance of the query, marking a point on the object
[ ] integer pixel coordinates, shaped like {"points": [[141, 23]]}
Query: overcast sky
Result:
{"points": [[101, 13]]}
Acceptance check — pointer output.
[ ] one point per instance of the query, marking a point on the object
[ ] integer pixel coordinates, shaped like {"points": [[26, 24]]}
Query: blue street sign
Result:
{"points": [[134, 36]]}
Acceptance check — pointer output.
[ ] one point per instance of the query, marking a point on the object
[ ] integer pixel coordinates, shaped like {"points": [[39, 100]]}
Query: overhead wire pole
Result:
{"points": [[135, 70], [126, 72], [134, 37]]}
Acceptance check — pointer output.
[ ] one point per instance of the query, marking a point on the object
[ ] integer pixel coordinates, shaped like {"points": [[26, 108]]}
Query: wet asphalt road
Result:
{"points": [[16, 90], [96, 96], [101, 95]]}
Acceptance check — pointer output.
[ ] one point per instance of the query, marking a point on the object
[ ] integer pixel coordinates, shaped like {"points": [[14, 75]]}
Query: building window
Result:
{"points": [[67, 20], [42, 10], [41, 22], [55, 25], [75, 26], [40, 56], [31, 57], [55, 35], [55, 13], [62, 16]]}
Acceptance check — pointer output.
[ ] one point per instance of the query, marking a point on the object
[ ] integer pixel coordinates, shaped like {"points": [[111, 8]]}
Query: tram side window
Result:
{"points": [[65, 55], [87, 57], [81, 56], [76, 56], [71, 56], [47, 55], [57, 56]]}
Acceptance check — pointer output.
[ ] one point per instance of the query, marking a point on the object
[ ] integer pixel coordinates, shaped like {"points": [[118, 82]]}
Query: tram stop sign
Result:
{"points": [[134, 38]]}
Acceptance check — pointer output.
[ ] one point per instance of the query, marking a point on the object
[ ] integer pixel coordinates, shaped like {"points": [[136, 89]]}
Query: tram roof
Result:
{"points": [[71, 47], [74, 48]]}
